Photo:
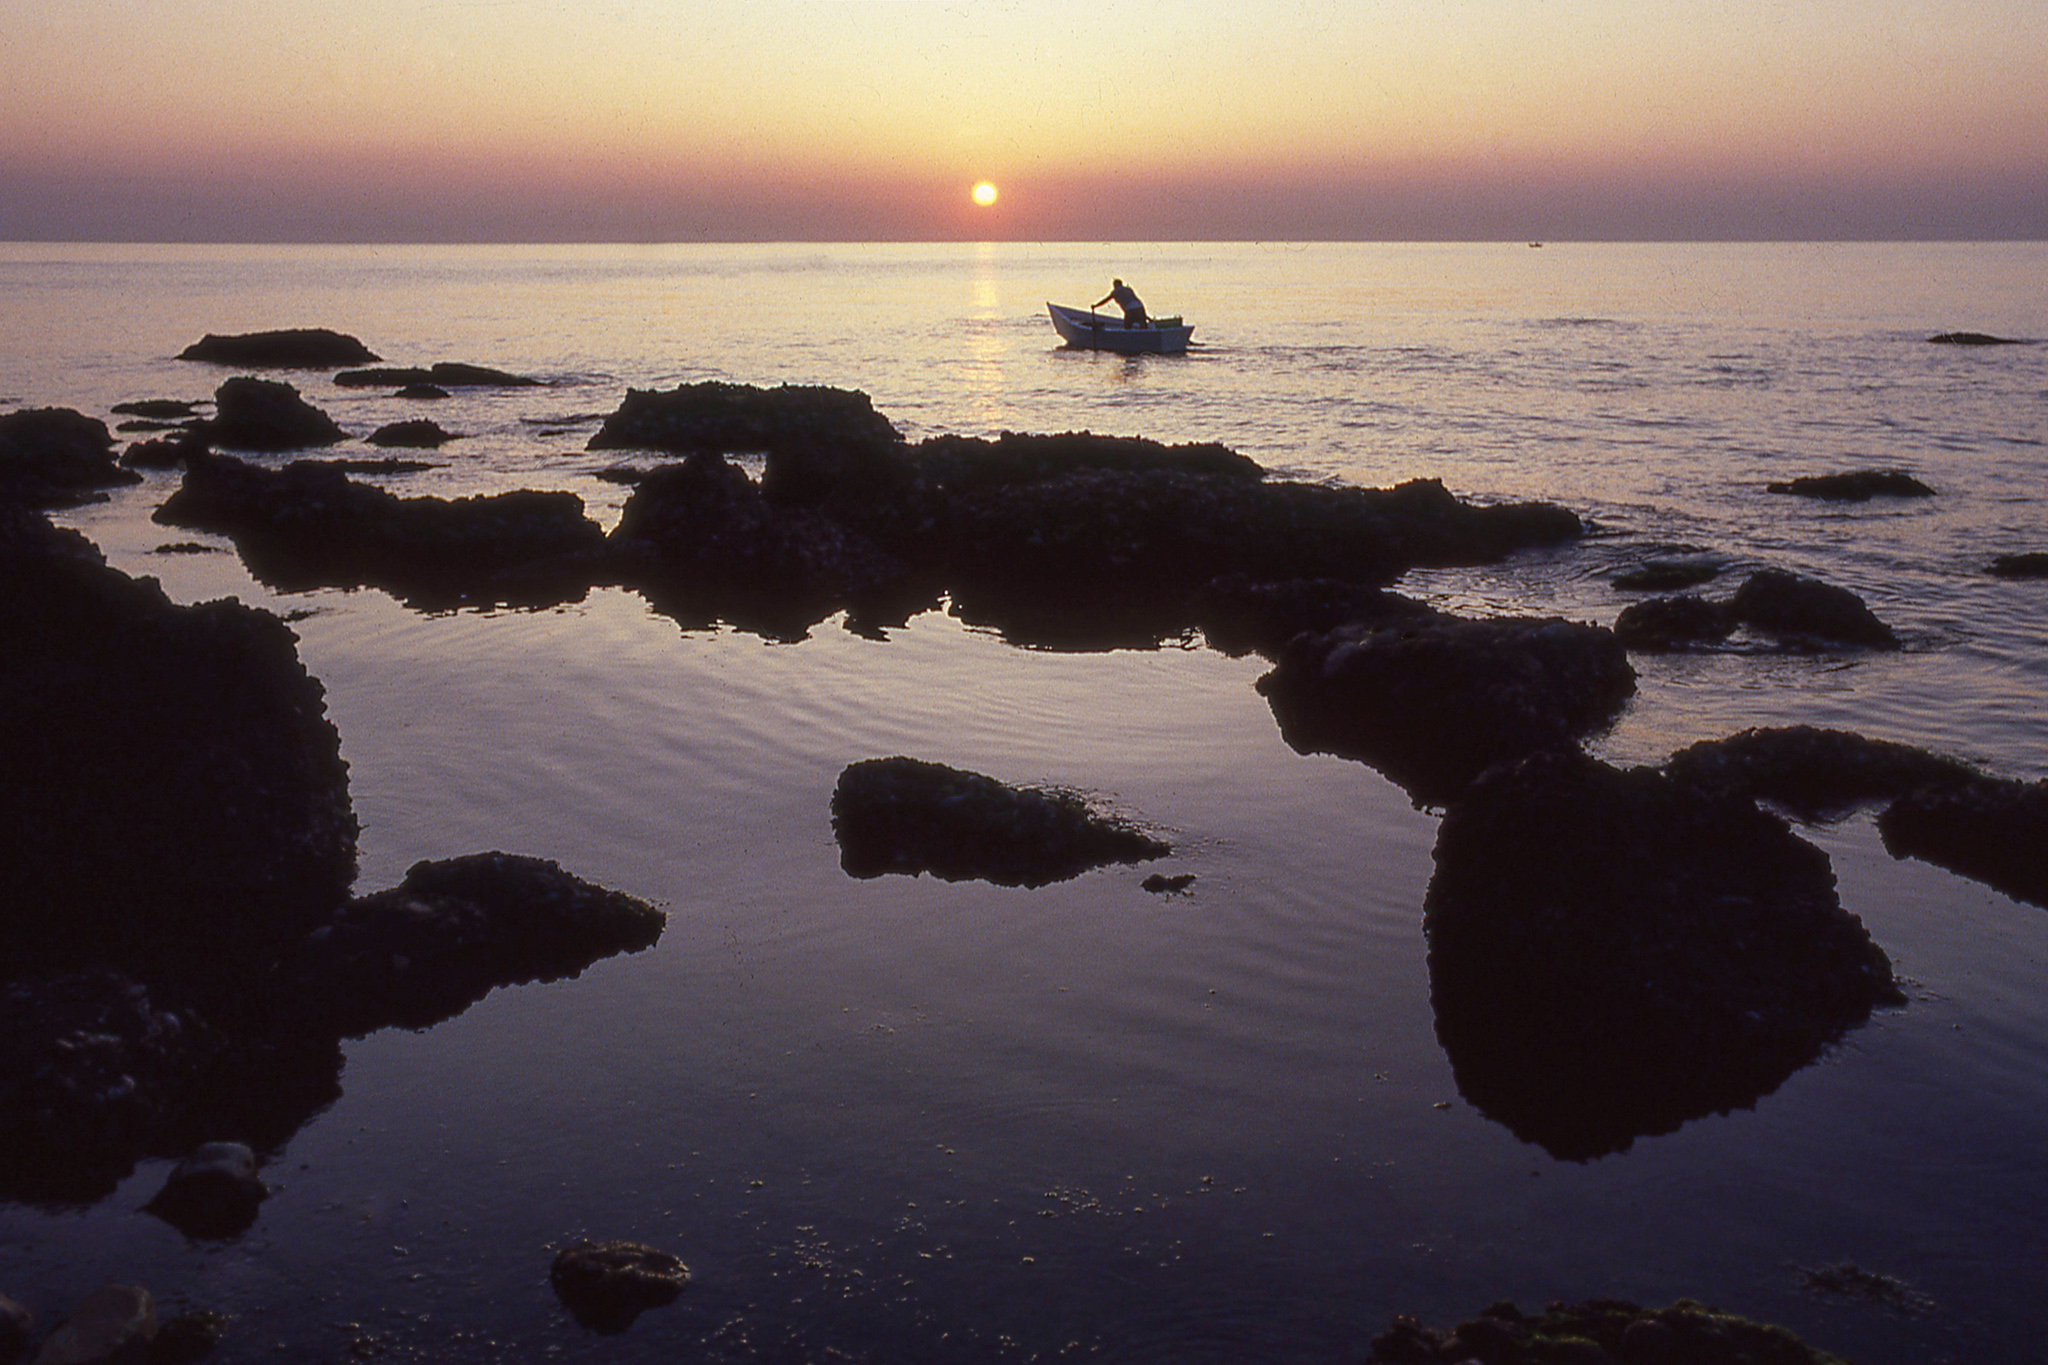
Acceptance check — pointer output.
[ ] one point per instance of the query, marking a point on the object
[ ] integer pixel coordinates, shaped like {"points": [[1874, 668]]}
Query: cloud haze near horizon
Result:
{"points": [[638, 120]]}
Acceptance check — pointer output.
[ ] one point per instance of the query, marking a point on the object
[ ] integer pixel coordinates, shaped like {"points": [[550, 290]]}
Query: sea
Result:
{"points": [[904, 1120]]}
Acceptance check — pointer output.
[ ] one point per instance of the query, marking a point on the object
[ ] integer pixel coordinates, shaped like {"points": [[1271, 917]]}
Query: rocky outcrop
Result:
{"points": [[1597, 1332], [963, 462], [307, 525], [1796, 613], [1239, 616], [719, 418], [174, 786], [1989, 830], [445, 374], [1805, 609], [1433, 702], [268, 414], [300, 348], [449, 934], [1858, 486], [1613, 953], [606, 1285], [161, 409], [907, 816], [421, 433], [2031, 564], [703, 543], [53, 458], [1813, 774]]}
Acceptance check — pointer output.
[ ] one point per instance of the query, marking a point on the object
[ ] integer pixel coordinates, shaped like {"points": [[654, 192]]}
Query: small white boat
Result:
{"points": [[1085, 329]]}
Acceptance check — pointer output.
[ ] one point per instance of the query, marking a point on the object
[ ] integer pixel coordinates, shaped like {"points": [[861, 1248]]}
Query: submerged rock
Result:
{"points": [[606, 1285], [1433, 702], [1811, 773], [300, 348], [1596, 1332], [308, 525], [1613, 953], [268, 414], [718, 418], [449, 934], [422, 433], [213, 1194], [52, 458], [1805, 609], [908, 816], [1989, 830], [1858, 486]]}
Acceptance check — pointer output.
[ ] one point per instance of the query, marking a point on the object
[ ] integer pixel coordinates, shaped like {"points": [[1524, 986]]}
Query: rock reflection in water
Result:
{"points": [[1613, 953]]}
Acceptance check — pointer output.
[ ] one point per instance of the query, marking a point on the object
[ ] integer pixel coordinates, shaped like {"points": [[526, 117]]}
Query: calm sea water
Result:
{"points": [[901, 1120]]}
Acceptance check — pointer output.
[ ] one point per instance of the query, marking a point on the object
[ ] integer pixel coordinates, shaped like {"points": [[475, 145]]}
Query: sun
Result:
{"points": [[984, 194]]}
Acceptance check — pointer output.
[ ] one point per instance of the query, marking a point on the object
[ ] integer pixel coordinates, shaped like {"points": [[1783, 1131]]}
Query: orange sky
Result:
{"points": [[1160, 119]]}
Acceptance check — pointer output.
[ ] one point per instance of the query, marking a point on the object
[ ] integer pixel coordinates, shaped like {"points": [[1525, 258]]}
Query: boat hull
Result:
{"points": [[1089, 331]]}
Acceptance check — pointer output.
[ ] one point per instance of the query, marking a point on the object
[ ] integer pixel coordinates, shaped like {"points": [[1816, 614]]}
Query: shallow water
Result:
{"points": [[908, 1120]]}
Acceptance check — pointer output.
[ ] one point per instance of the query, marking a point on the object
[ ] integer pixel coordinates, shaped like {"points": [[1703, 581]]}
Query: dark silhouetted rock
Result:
{"points": [[164, 409], [113, 1325], [1596, 1332], [1240, 616], [445, 374], [1434, 702], [421, 391], [1669, 573], [702, 543], [168, 452], [908, 816], [213, 1194], [450, 933], [1971, 339], [268, 414], [420, 433], [53, 458], [1159, 884], [718, 418], [173, 784], [606, 1285], [381, 464], [305, 348], [1613, 953], [1807, 610], [2032, 564], [1664, 624], [963, 462], [308, 525], [1813, 774], [1989, 830], [1859, 486]]}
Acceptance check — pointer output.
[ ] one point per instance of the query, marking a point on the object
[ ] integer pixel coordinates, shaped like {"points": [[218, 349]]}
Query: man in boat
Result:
{"points": [[1127, 299]]}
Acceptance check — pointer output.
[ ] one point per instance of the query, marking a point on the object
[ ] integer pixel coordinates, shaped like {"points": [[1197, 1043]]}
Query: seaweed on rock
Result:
{"points": [[1613, 953]]}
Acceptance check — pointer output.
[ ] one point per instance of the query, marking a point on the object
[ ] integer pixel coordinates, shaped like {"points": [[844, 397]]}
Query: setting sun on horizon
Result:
{"points": [[1589, 119]]}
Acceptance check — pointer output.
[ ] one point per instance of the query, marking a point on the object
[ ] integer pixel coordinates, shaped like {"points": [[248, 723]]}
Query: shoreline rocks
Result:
{"points": [[607, 1285], [54, 458], [295, 348], [1799, 613], [904, 815], [267, 415], [213, 1194], [440, 377]]}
